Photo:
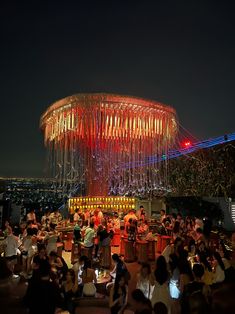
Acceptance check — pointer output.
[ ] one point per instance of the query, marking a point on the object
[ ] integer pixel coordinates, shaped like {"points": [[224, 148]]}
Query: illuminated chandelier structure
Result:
{"points": [[91, 137]]}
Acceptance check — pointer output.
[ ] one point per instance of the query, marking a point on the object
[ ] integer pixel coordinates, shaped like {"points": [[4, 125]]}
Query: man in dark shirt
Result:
{"points": [[44, 296], [40, 262], [196, 290]]}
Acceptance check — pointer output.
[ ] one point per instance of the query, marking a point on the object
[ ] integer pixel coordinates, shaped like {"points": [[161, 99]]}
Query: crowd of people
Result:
{"points": [[183, 279]]}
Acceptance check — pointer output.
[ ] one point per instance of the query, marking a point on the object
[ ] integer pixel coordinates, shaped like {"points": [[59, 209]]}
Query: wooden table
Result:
{"points": [[129, 255], [142, 251]]}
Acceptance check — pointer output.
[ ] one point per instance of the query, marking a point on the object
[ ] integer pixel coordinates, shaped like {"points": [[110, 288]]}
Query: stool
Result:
{"points": [[59, 248], [76, 250], [151, 250], [68, 241], [165, 241], [129, 250], [105, 257], [159, 244], [86, 251], [142, 255]]}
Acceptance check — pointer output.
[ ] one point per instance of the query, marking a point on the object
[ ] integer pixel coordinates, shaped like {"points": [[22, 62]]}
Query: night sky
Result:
{"points": [[181, 53]]}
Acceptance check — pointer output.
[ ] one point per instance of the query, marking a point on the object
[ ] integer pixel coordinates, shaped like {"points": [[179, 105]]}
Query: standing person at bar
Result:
{"points": [[130, 215], [89, 236], [76, 216], [45, 221], [51, 239], [31, 216], [141, 214], [162, 215], [56, 217], [87, 215], [100, 215]]}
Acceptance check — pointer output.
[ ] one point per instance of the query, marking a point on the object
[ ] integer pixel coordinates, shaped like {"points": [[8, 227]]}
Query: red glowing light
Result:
{"points": [[186, 144]]}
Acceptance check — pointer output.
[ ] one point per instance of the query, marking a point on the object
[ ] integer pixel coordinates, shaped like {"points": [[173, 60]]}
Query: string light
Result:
{"points": [[91, 136]]}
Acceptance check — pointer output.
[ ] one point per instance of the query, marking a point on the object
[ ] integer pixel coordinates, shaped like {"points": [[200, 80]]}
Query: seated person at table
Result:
{"points": [[78, 268], [88, 280], [58, 266]]}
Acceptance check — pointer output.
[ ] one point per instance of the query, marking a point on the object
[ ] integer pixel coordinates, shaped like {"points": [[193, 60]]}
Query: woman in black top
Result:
{"points": [[118, 296], [69, 290]]}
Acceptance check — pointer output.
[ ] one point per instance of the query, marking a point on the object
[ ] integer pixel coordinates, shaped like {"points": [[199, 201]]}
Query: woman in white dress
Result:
{"points": [[51, 239], [161, 281]]}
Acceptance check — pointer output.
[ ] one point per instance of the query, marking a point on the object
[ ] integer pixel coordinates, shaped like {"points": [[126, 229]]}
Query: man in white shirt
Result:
{"points": [[45, 221], [31, 216], [89, 236], [116, 222], [87, 215], [76, 216], [11, 244], [55, 217], [100, 214]]}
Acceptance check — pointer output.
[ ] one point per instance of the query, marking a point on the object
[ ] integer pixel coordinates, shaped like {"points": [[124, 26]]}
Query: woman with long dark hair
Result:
{"points": [[88, 279], [185, 270], [118, 296], [218, 268], [161, 290], [69, 290]]}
